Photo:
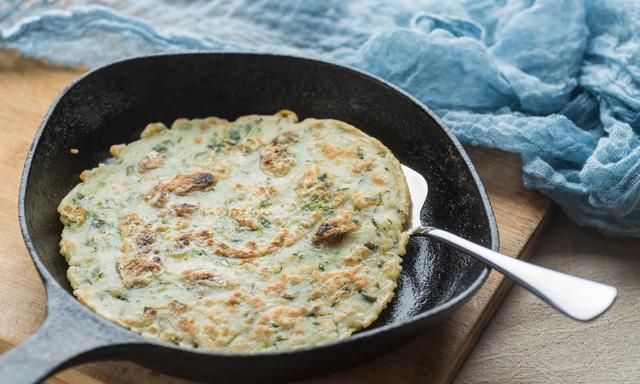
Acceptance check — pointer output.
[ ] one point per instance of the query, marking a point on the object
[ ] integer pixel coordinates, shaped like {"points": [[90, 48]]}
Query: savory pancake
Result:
{"points": [[259, 234]]}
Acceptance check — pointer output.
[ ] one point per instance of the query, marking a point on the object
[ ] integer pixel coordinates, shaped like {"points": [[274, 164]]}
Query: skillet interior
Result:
{"points": [[113, 104]]}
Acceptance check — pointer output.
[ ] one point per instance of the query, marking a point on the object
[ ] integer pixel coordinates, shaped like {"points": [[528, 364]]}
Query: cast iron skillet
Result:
{"points": [[113, 103]]}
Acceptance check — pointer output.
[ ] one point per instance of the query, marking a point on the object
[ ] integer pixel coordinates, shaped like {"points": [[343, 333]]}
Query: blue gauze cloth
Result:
{"points": [[556, 81]]}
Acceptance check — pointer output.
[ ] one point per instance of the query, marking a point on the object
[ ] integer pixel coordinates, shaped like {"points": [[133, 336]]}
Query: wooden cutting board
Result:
{"points": [[27, 88]]}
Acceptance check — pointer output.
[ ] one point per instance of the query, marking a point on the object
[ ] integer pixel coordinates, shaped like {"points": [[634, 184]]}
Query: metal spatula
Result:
{"points": [[576, 297]]}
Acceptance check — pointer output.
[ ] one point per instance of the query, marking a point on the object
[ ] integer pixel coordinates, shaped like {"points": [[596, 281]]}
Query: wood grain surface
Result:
{"points": [[28, 87], [530, 342]]}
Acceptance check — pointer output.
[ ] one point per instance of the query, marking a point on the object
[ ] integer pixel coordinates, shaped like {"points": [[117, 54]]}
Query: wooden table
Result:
{"points": [[28, 87], [530, 342]]}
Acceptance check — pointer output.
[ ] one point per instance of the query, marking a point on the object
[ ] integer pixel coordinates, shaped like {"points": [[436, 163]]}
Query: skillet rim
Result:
{"points": [[135, 339]]}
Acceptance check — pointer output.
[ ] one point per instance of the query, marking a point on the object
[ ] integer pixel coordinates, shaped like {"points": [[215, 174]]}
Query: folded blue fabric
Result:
{"points": [[556, 81]]}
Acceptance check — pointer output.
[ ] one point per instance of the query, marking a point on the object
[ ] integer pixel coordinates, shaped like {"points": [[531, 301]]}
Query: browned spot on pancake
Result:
{"points": [[84, 175], [275, 158], [280, 240], [363, 165], [331, 152], [145, 238], [138, 269], [204, 233], [70, 214], [150, 311], [379, 179], [187, 325], [177, 306], [224, 249], [285, 113], [282, 316], [180, 185], [152, 161], [183, 240], [116, 149], [267, 191], [240, 217], [198, 181], [235, 299], [334, 230], [194, 276], [129, 223], [184, 209]]}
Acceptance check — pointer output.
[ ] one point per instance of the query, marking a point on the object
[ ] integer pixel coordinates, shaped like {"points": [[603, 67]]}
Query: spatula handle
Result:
{"points": [[576, 297]]}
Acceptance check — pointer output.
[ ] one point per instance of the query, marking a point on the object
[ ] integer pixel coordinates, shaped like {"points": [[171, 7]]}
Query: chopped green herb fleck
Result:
{"points": [[265, 223], [371, 246], [96, 274], [360, 153], [321, 267], [163, 146], [215, 144], [118, 294], [130, 170], [273, 325], [367, 297], [311, 205], [233, 136], [96, 221]]}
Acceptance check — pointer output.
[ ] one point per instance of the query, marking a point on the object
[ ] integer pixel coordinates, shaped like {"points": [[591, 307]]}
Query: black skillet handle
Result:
{"points": [[68, 336]]}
